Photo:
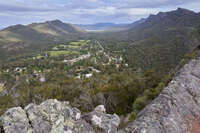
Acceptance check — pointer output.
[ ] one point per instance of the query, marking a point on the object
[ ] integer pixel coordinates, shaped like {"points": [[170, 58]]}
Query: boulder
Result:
{"points": [[100, 108], [53, 116], [15, 121], [56, 117], [106, 123]]}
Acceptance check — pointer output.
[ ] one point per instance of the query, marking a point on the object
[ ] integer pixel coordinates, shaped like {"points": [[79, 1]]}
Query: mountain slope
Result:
{"points": [[20, 38], [162, 40], [56, 28], [23, 32], [166, 22]]}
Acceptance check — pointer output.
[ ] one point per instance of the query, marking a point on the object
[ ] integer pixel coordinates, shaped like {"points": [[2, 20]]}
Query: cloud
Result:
{"points": [[86, 11], [148, 3], [12, 8], [98, 11], [92, 0]]}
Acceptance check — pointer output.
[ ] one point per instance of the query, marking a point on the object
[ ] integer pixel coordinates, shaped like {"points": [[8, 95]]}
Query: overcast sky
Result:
{"points": [[86, 11]]}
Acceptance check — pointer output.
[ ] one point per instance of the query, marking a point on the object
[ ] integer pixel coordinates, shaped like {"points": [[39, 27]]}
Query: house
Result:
{"points": [[88, 75], [42, 78]]}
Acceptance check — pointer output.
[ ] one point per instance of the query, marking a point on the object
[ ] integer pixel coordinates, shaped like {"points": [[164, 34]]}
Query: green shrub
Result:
{"points": [[132, 117], [139, 103]]}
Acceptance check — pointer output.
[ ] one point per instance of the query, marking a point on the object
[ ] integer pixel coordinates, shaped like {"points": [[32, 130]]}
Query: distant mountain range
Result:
{"points": [[162, 40], [124, 27], [100, 26], [20, 36], [164, 23], [110, 26]]}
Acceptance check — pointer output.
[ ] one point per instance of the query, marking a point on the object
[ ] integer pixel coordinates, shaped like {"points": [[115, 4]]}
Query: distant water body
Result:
{"points": [[95, 30]]}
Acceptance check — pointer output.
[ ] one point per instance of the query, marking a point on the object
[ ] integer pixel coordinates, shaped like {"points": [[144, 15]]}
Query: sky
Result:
{"points": [[86, 11]]}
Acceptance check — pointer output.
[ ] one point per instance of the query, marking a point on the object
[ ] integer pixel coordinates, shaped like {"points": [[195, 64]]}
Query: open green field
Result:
{"points": [[71, 45], [74, 47], [57, 53], [80, 42], [39, 56], [61, 46]]}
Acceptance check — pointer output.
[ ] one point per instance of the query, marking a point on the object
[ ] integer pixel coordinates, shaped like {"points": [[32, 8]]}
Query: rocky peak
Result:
{"points": [[178, 18], [184, 11], [55, 22]]}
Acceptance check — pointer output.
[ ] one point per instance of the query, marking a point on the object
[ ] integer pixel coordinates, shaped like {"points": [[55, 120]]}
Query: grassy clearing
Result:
{"points": [[39, 56], [75, 43], [74, 47], [57, 53], [62, 46], [55, 48], [59, 47], [80, 42]]}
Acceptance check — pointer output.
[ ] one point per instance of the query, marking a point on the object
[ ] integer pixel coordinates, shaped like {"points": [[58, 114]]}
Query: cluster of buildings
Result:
{"points": [[72, 61], [89, 74]]}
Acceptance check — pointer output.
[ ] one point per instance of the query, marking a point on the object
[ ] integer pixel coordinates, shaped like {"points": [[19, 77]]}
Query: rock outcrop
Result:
{"points": [[53, 116], [175, 110]]}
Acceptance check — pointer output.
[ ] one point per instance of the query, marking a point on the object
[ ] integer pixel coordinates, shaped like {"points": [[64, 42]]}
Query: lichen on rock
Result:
{"points": [[53, 116], [106, 123], [15, 121]]}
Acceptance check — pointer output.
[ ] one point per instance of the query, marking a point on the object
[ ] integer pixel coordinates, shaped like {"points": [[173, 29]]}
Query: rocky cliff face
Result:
{"points": [[176, 110]]}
